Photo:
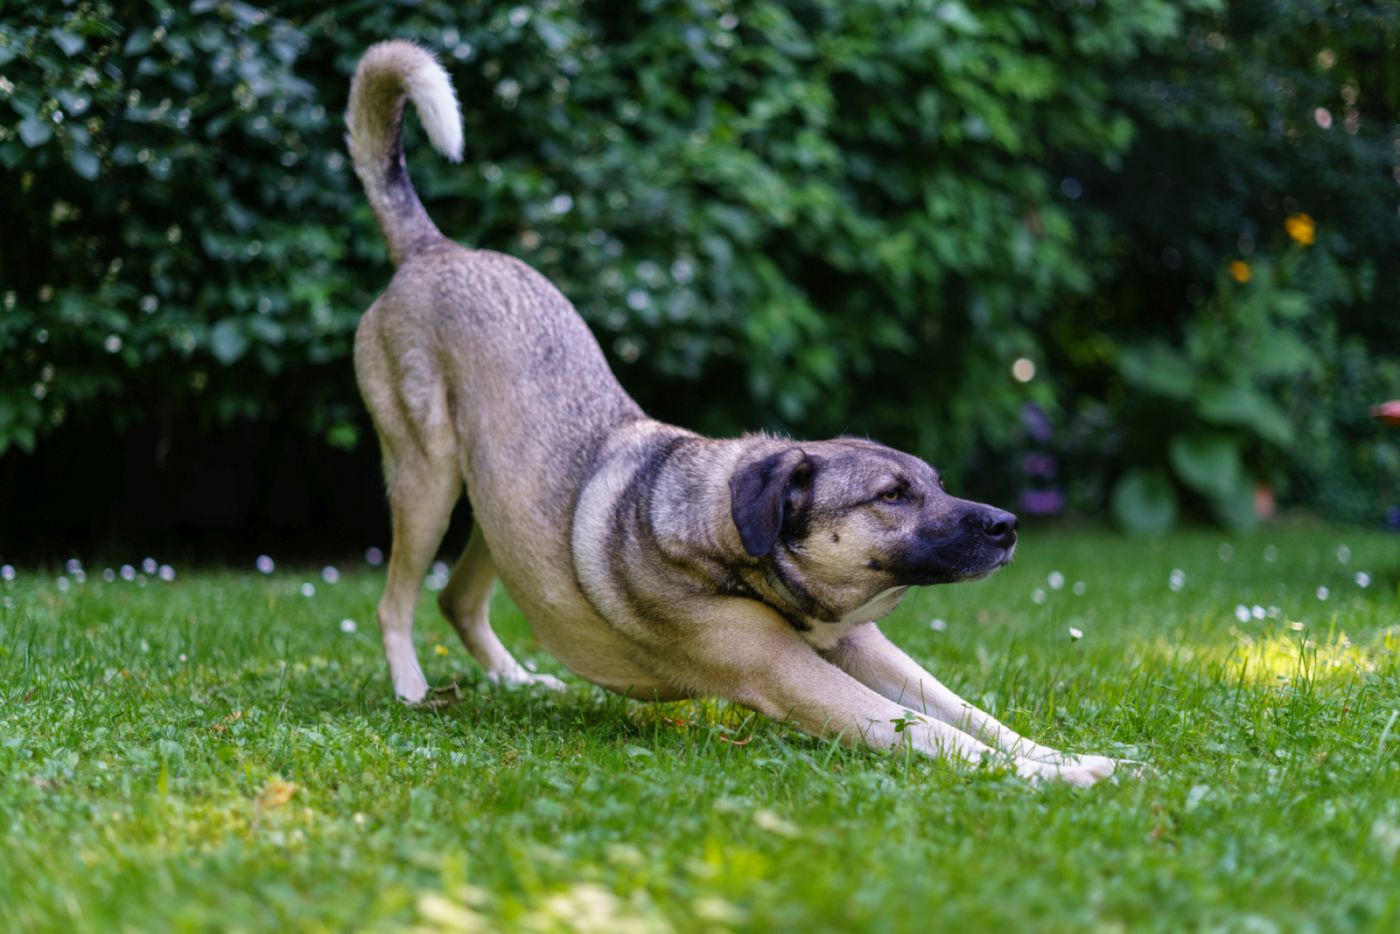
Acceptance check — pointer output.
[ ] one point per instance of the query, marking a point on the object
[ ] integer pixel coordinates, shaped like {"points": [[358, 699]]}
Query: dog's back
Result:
{"points": [[474, 369], [457, 323]]}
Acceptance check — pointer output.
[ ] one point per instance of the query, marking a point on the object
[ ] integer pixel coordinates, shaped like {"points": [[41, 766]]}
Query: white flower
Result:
{"points": [[1323, 593], [149, 566], [62, 583], [330, 575], [1177, 579], [264, 564], [772, 823], [1386, 837], [308, 589], [374, 557], [1257, 611], [72, 565], [1056, 580], [1343, 554], [1076, 634], [1037, 596], [1297, 626], [166, 573], [109, 575], [938, 625], [1271, 554], [1363, 579], [1242, 613], [1226, 551], [128, 572], [7, 573], [347, 625], [1079, 588]]}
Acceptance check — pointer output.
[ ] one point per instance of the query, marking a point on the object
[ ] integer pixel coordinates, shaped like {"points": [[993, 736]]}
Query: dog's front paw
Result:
{"points": [[1098, 765], [1085, 771], [519, 677], [1088, 770]]}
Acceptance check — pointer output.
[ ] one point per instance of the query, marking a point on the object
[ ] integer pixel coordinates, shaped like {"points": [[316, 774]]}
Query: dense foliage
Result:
{"points": [[831, 216]]}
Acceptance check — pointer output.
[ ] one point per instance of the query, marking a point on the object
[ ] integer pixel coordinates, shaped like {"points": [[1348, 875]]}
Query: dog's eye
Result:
{"points": [[892, 496]]}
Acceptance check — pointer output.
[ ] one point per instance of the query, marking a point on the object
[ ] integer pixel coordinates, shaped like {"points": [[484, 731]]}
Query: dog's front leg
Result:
{"points": [[754, 658], [866, 655]]}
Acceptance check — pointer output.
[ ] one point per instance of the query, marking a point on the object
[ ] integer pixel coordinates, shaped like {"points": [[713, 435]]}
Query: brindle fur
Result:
{"points": [[648, 559]]}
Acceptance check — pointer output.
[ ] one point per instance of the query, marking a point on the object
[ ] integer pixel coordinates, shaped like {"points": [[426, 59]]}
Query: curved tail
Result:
{"points": [[389, 73]]}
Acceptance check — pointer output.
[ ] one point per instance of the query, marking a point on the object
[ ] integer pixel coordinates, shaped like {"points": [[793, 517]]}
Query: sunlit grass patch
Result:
{"points": [[1282, 655]]}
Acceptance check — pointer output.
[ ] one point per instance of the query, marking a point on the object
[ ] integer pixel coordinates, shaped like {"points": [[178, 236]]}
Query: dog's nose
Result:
{"points": [[1000, 526]]}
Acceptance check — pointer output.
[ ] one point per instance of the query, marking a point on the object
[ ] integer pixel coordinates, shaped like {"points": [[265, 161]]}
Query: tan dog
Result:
{"points": [[648, 559]]}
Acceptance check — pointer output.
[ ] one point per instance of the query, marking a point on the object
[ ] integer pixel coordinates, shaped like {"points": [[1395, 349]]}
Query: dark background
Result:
{"points": [[805, 217]]}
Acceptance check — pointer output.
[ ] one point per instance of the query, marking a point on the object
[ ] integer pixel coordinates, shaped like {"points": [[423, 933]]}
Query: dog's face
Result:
{"points": [[846, 520]]}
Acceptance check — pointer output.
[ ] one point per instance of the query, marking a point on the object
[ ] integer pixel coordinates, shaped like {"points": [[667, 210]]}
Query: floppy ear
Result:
{"points": [[766, 493]]}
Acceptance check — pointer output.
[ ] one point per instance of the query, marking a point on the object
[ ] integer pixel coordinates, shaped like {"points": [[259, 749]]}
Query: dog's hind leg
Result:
{"points": [[421, 497], [466, 602]]}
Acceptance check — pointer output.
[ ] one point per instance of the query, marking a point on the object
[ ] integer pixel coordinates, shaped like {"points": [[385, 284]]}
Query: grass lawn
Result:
{"points": [[218, 752]]}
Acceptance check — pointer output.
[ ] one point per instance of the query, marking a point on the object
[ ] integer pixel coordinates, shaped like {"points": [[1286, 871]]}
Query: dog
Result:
{"points": [[648, 559]]}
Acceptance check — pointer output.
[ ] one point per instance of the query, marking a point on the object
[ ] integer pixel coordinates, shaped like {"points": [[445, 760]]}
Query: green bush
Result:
{"points": [[838, 216], [832, 216], [1246, 323]]}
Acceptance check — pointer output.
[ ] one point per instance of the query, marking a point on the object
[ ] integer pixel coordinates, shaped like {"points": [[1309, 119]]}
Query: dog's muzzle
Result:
{"points": [[976, 543]]}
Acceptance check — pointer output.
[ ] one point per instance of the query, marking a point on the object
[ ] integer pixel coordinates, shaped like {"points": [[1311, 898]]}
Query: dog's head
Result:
{"points": [[846, 520]]}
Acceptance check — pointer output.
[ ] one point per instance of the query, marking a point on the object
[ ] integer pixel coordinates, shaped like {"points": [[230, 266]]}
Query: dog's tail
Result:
{"points": [[388, 74]]}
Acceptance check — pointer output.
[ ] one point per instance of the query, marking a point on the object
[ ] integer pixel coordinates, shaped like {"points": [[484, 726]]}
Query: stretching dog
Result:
{"points": [[648, 559]]}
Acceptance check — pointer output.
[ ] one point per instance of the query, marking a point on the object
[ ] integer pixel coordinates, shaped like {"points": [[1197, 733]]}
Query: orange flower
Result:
{"points": [[1301, 228], [1240, 271]]}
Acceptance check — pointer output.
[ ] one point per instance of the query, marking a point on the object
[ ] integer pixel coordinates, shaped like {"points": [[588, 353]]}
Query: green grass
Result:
{"points": [[144, 732]]}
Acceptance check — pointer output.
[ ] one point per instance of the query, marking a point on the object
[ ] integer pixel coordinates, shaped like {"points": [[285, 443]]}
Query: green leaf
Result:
{"points": [[1157, 369], [1291, 305], [227, 341], [1281, 353], [138, 42], [343, 435], [1244, 406], [70, 43], [1144, 503], [1207, 462], [1235, 507], [34, 131], [11, 153], [85, 163]]}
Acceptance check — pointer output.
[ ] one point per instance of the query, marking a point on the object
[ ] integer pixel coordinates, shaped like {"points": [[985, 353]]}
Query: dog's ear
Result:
{"points": [[768, 494]]}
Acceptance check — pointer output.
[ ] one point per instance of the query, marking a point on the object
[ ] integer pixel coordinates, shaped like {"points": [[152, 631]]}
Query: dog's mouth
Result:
{"points": [[951, 563]]}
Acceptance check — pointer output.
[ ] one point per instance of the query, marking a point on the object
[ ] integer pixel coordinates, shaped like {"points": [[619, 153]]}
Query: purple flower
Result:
{"points": [[1039, 465], [1042, 502], [1037, 422]]}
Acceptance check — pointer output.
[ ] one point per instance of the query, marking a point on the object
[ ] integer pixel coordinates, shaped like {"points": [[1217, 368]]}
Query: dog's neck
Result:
{"points": [[785, 595]]}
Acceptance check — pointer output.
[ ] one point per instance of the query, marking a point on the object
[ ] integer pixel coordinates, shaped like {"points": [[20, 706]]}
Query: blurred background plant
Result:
{"points": [[1090, 256]]}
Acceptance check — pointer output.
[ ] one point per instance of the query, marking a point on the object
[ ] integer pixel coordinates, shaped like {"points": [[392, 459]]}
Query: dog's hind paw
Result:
{"points": [[410, 690]]}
